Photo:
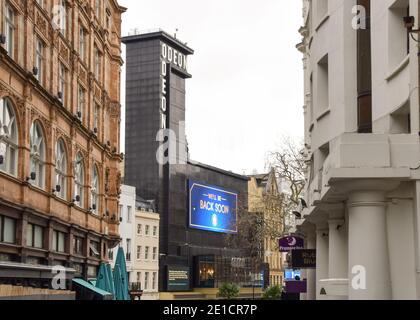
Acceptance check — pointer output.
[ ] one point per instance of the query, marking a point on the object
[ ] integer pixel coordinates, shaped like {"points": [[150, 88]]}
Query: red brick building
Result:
{"points": [[60, 63]]}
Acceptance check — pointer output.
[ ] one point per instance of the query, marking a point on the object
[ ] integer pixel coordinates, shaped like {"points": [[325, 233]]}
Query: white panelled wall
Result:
{"points": [[363, 182]]}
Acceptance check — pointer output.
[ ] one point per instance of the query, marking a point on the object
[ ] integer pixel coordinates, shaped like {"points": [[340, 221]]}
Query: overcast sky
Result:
{"points": [[247, 87]]}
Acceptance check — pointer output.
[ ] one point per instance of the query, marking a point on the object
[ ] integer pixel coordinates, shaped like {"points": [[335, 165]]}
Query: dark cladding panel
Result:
{"points": [[142, 116]]}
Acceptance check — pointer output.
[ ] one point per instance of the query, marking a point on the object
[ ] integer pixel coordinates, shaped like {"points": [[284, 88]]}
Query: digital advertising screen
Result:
{"points": [[290, 274], [212, 208]]}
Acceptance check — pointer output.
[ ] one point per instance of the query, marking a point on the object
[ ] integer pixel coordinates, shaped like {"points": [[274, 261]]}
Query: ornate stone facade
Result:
{"points": [[65, 76]]}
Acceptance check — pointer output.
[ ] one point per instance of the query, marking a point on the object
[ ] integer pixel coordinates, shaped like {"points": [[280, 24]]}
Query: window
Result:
{"points": [[96, 119], [78, 245], [98, 9], [81, 103], [398, 42], [63, 17], [79, 181], [9, 30], [37, 161], [39, 60], [154, 278], [95, 249], [62, 75], [323, 85], [59, 241], [155, 231], [8, 138], [129, 214], [138, 277], [97, 64], [7, 230], [311, 103], [82, 44], [111, 254], [94, 191], [154, 253], [146, 253], [139, 229], [146, 281], [128, 255], [138, 252], [40, 3], [147, 230], [61, 170], [121, 209], [34, 236]]}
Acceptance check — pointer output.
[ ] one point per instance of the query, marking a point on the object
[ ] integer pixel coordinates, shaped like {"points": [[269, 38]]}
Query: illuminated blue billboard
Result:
{"points": [[212, 208]]}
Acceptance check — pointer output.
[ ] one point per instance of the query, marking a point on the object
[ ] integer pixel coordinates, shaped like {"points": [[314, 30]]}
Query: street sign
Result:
{"points": [[303, 259], [289, 243]]}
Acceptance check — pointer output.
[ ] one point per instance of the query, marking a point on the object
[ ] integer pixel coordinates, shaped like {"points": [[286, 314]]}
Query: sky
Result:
{"points": [[246, 93]]}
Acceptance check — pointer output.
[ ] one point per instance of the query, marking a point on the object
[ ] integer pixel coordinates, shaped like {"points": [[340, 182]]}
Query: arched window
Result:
{"points": [[79, 181], [61, 170], [8, 138], [37, 144], [94, 191]]}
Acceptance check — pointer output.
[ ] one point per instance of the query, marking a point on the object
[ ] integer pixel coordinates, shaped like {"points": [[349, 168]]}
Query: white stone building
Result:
{"points": [[362, 139], [127, 228], [146, 256]]}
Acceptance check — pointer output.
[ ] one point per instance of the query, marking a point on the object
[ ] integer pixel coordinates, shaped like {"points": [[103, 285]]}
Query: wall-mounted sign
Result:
{"points": [[212, 208], [289, 243], [164, 94], [178, 278], [296, 286], [303, 259], [173, 56], [238, 263]]}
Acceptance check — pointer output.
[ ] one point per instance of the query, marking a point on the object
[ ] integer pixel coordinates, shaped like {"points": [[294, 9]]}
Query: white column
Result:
{"points": [[321, 259], [338, 252], [368, 249], [310, 273], [304, 275], [338, 244]]}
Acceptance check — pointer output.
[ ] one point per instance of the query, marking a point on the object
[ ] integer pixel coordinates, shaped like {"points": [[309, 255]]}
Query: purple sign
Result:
{"points": [[296, 287], [289, 243]]}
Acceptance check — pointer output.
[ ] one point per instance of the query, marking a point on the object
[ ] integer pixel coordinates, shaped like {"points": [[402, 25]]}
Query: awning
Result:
{"points": [[84, 289]]}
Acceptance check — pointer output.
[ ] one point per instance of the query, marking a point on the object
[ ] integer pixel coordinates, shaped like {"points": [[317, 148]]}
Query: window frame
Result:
{"points": [[9, 141], [79, 180], [33, 242], [2, 229], [10, 29], [61, 172], [38, 156], [94, 190]]}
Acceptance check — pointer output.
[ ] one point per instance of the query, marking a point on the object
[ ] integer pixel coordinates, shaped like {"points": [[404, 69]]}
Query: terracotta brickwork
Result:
{"points": [[60, 65]]}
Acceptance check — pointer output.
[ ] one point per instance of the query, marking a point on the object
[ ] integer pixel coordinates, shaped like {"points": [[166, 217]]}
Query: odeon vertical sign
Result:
{"points": [[169, 57]]}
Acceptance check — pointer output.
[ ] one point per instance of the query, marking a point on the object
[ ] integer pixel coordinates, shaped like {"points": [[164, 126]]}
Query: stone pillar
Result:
{"points": [[321, 259], [304, 275], [311, 273], [338, 252], [368, 250]]}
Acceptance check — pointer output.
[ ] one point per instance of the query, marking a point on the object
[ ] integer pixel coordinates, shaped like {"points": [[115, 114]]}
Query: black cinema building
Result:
{"points": [[198, 203]]}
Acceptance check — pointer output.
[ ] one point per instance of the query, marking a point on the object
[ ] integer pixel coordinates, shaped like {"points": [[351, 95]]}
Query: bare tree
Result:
{"points": [[290, 166]]}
